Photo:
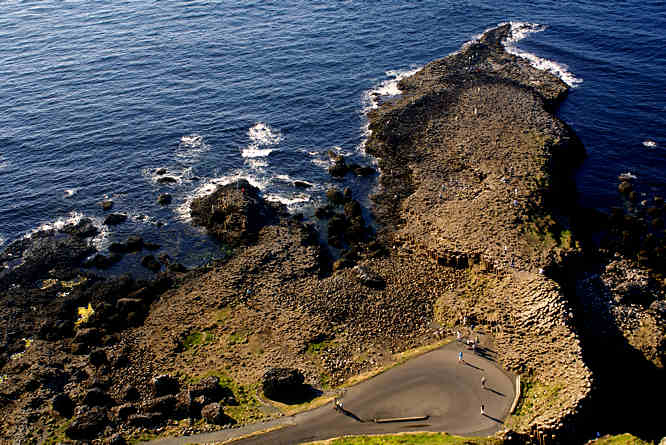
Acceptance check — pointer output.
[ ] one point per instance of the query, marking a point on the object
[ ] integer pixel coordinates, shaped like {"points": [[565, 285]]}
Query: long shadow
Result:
{"points": [[485, 353], [305, 393], [494, 391], [493, 418], [473, 366], [351, 414]]}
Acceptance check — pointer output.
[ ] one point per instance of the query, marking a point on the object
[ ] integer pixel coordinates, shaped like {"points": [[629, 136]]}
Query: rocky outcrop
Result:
{"points": [[282, 383], [234, 213]]}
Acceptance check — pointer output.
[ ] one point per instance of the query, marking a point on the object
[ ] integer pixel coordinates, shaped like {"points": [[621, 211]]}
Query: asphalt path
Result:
{"points": [[434, 384]]}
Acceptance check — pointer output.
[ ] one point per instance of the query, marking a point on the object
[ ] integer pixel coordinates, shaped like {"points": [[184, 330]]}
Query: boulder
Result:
{"points": [[353, 209], [164, 199], [129, 393], [134, 243], [164, 404], [302, 184], [208, 387], [167, 180], [97, 357], [335, 197], [96, 397], [150, 263], [339, 167], [364, 170], [63, 405], [106, 205], [87, 336], [369, 278], [115, 218], [282, 383], [161, 171], [234, 213], [88, 424], [214, 413], [163, 385]]}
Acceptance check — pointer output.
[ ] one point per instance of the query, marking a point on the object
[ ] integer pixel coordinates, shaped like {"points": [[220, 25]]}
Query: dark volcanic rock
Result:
{"points": [[164, 199], [129, 393], [134, 243], [282, 383], [165, 404], [167, 180], [63, 405], [149, 262], [234, 213], [214, 413], [97, 357], [96, 397], [163, 385], [88, 424], [302, 184], [335, 196], [339, 167], [369, 278], [115, 218]]}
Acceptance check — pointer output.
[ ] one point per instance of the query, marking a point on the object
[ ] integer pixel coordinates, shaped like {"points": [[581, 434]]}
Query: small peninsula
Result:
{"points": [[477, 233]]}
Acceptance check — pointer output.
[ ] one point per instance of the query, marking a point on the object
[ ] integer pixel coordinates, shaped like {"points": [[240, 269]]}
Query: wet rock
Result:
{"points": [[364, 170], [100, 261], [106, 205], [282, 383], [150, 263], [63, 405], [164, 258], [115, 218], [161, 171], [302, 184], [353, 209], [339, 167], [83, 229], [335, 197], [234, 213], [658, 201], [88, 424], [323, 212], [164, 199], [625, 187], [151, 246], [134, 244], [163, 385], [116, 247], [176, 267], [167, 180]]}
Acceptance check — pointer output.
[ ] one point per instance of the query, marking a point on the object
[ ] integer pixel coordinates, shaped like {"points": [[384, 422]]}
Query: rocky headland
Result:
{"points": [[478, 233]]}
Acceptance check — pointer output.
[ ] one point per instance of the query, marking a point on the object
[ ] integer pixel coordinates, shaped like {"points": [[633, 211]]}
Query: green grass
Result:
{"points": [[317, 347], [413, 439], [196, 339], [535, 397], [237, 338], [622, 439], [57, 435]]}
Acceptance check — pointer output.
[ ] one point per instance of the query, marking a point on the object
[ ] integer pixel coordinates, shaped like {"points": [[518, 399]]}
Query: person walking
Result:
{"points": [[483, 410], [483, 382], [460, 359]]}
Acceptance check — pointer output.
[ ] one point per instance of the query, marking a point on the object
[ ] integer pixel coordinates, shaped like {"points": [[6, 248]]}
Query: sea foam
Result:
{"points": [[519, 31], [387, 88], [262, 137]]}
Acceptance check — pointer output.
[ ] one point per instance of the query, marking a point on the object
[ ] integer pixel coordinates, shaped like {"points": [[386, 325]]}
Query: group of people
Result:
{"points": [[473, 344]]}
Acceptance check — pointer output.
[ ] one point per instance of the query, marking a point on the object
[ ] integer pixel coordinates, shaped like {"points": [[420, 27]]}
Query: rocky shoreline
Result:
{"points": [[477, 226]]}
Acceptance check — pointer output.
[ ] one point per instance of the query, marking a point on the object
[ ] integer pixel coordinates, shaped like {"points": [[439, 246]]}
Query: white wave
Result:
{"points": [[261, 136], [191, 147], [257, 163], [288, 200], [387, 88], [520, 30], [628, 176], [69, 192], [183, 210], [73, 218], [254, 152], [650, 143], [177, 176]]}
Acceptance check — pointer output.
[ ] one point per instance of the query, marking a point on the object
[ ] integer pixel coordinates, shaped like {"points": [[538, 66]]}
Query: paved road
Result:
{"points": [[433, 385]]}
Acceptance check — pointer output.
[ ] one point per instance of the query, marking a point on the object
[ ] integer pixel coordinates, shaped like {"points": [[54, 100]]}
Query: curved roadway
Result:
{"points": [[434, 384]]}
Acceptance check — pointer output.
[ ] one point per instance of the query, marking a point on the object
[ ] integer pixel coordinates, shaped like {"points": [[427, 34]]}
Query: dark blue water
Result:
{"points": [[95, 96]]}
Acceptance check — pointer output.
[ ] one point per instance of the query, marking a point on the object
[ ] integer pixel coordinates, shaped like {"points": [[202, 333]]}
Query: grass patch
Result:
{"points": [[196, 339], [535, 397], [57, 435], [318, 347], [141, 437], [237, 338], [411, 439], [622, 439]]}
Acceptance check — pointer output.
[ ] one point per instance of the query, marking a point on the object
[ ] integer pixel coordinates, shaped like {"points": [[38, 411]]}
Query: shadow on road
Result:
{"points": [[492, 418], [496, 392], [351, 414], [473, 366]]}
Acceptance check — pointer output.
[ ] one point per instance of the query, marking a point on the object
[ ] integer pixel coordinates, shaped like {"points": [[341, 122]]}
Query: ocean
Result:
{"points": [[97, 97]]}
